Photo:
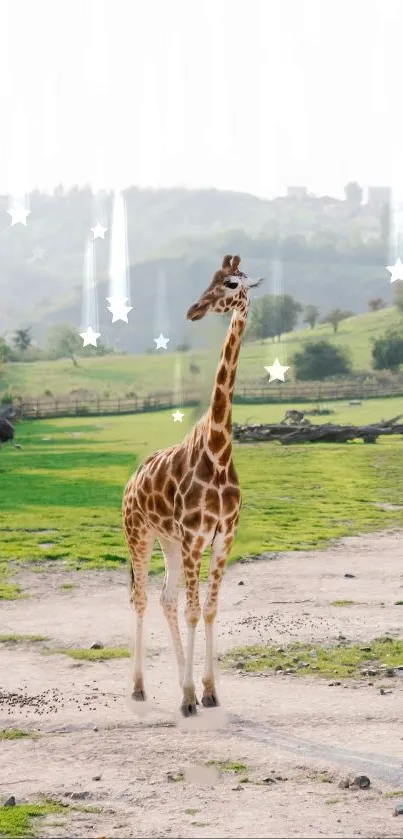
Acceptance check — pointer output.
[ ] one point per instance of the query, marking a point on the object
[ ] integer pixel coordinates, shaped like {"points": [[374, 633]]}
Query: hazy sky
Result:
{"points": [[235, 94]]}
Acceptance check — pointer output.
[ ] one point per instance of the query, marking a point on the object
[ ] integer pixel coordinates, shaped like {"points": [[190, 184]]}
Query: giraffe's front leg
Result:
{"points": [[220, 551], [191, 566]]}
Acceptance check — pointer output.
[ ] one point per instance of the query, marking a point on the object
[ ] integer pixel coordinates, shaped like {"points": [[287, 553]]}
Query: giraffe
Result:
{"points": [[188, 497]]}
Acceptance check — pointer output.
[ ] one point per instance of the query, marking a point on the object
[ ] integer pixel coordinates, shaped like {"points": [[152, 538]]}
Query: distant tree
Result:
{"points": [[376, 303], [335, 316], [22, 339], [5, 351], [183, 347], [64, 342], [311, 314], [319, 360], [353, 193], [272, 315], [387, 350]]}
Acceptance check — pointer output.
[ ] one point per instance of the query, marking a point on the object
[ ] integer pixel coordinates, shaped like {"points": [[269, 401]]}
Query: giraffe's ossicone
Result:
{"points": [[188, 497]]}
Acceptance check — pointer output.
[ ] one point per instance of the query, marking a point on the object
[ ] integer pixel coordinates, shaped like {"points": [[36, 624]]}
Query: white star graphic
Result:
{"points": [[161, 342], [38, 253], [99, 231], [276, 371], [177, 415], [90, 337], [118, 308], [18, 215], [396, 270]]}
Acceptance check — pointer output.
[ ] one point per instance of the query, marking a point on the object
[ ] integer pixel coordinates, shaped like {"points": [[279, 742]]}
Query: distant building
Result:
{"points": [[297, 192], [378, 196]]}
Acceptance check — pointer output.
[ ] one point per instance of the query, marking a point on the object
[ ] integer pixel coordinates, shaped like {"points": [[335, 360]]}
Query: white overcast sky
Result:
{"points": [[248, 95]]}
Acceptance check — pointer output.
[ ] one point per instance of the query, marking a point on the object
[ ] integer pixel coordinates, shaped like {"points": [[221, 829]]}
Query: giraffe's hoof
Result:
{"points": [[188, 709], [210, 700], [139, 695]]}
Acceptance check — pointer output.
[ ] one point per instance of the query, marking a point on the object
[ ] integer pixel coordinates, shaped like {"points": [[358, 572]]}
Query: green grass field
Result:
{"points": [[60, 496], [119, 375]]}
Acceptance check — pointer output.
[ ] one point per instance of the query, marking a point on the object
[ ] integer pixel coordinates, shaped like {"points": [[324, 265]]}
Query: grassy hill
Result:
{"points": [[121, 374]]}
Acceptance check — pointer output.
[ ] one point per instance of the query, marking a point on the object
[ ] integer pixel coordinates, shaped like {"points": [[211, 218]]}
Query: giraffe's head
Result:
{"points": [[228, 290]]}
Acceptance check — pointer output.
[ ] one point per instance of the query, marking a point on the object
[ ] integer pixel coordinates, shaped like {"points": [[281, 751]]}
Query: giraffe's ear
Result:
{"points": [[235, 263], [226, 263]]}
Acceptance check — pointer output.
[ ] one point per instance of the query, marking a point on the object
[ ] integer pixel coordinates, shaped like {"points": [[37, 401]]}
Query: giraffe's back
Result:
{"points": [[174, 494]]}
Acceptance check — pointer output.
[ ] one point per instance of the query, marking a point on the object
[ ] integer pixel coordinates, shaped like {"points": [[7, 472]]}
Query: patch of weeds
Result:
{"points": [[14, 638], [93, 655], [342, 603], [67, 586], [200, 824], [332, 800], [191, 811], [324, 778], [398, 602], [343, 660], [396, 793], [175, 776], [229, 766], [17, 822], [9, 591], [16, 734]]}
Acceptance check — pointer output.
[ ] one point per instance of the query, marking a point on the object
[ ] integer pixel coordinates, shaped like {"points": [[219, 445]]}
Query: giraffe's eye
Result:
{"points": [[231, 284]]}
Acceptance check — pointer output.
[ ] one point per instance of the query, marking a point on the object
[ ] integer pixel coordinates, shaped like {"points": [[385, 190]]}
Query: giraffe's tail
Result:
{"points": [[131, 578]]}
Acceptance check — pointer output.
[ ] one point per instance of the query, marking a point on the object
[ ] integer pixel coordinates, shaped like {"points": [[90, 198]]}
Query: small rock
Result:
{"points": [[79, 796], [365, 649], [10, 802], [398, 811], [96, 777], [97, 645], [290, 671], [95, 728], [239, 788], [333, 684], [278, 667], [269, 781], [350, 576], [362, 782], [241, 583], [384, 692], [344, 783], [341, 637], [390, 672]]}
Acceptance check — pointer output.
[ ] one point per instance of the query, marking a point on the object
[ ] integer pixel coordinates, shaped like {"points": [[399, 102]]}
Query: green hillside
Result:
{"points": [[143, 374]]}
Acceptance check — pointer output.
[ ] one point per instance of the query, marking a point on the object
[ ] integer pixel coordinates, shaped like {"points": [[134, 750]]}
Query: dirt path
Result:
{"points": [[307, 733]]}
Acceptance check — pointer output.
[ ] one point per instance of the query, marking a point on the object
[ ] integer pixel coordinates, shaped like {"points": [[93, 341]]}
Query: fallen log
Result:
{"points": [[324, 433]]}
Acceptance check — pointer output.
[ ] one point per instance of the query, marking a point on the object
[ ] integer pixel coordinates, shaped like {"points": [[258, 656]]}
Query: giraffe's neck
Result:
{"points": [[219, 415]]}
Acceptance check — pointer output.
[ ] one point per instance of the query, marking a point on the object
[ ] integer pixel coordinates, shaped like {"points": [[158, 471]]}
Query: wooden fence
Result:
{"points": [[49, 407]]}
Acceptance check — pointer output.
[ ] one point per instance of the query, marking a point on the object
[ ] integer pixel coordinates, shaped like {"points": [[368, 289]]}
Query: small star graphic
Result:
{"points": [[396, 270], [99, 231], [90, 337], [118, 308], [161, 342], [18, 215], [38, 253], [177, 415], [276, 371]]}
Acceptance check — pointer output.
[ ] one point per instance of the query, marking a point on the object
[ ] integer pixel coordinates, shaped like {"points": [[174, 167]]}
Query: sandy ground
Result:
{"points": [[95, 751]]}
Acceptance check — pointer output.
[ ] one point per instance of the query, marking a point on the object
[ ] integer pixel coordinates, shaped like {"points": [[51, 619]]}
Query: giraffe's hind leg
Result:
{"points": [[140, 547], [169, 597], [220, 551]]}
